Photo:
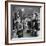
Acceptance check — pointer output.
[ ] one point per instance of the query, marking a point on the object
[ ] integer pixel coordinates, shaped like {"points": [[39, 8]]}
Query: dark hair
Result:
{"points": [[36, 14]]}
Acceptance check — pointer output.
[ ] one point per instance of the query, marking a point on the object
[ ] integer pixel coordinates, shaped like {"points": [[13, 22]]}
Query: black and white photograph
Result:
{"points": [[25, 22]]}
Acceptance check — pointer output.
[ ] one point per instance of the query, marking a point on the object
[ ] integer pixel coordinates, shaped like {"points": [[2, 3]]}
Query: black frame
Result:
{"points": [[6, 23]]}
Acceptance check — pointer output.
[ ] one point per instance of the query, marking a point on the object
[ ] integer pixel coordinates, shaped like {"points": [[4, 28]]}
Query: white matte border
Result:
{"points": [[34, 39]]}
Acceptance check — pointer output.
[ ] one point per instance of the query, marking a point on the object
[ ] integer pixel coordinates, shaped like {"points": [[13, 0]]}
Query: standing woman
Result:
{"points": [[35, 26]]}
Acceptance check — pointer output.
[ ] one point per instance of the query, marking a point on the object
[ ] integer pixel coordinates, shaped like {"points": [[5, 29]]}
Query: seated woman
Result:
{"points": [[20, 30]]}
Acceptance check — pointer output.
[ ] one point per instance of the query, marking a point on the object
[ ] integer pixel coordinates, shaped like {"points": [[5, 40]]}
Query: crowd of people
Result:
{"points": [[28, 22]]}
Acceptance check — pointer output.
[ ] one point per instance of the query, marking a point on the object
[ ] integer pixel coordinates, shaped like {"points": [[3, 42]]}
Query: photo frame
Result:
{"points": [[24, 22]]}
